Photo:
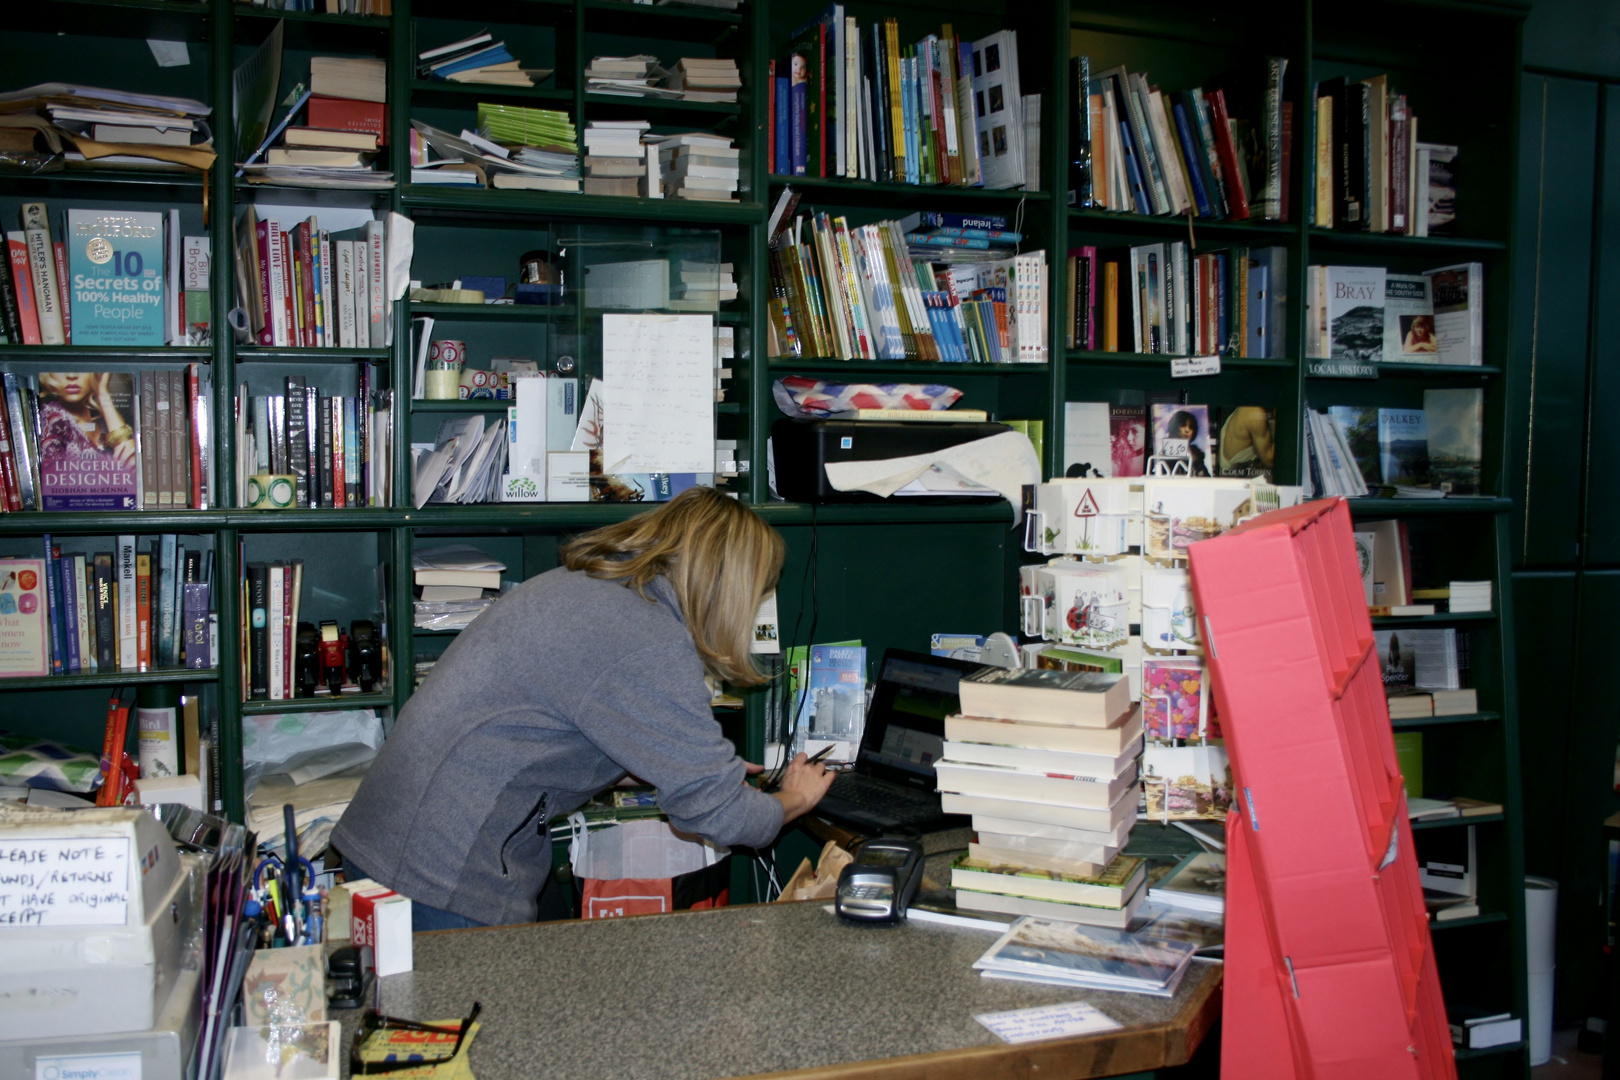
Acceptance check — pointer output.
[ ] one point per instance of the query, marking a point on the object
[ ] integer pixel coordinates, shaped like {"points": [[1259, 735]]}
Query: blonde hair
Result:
{"points": [[721, 559]]}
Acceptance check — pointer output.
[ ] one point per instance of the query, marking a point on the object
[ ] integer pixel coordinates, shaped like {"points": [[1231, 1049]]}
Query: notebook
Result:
{"points": [[892, 787]]}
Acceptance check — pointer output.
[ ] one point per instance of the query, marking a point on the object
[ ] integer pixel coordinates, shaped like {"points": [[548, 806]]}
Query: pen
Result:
{"points": [[823, 752]]}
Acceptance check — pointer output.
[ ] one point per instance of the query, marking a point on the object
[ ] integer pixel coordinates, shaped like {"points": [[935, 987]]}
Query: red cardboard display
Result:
{"points": [[1326, 849]]}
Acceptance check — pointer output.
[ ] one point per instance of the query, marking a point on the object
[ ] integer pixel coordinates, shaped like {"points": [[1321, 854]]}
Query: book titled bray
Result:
{"points": [[115, 274]]}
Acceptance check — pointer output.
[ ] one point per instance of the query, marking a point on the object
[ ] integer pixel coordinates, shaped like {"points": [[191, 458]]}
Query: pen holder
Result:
{"points": [[266, 491], [443, 374]]}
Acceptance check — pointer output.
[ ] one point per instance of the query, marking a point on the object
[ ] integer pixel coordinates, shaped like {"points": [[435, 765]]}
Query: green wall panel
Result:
{"points": [[1548, 364], [1600, 545], [1544, 618]]}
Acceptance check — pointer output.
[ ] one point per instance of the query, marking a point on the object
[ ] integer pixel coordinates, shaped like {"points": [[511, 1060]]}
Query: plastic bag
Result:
{"points": [[643, 867], [307, 746]]}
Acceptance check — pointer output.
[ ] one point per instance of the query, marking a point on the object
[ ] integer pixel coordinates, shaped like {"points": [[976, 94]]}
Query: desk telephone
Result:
{"points": [[882, 881]]}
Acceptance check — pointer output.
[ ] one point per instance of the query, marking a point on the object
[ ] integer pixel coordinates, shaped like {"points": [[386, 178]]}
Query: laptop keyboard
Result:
{"points": [[883, 798]]}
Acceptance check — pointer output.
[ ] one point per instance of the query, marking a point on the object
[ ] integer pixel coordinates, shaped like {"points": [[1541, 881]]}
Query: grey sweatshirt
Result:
{"points": [[560, 688]]}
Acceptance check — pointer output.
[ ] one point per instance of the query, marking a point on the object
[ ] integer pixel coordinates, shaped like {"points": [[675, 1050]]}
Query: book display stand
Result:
{"points": [[1336, 890]]}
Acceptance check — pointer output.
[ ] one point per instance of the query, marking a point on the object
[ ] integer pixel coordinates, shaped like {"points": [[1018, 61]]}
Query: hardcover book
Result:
{"points": [[115, 267], [87, 441], [1403, 447], [1409, 335], [1455, 420]]}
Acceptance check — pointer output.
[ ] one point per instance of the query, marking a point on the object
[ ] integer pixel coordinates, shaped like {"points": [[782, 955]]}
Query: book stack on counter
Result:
{"points": [[697, 165], [1046, 762], [477, 59], [344, 115], [1433, 452], [698, 79], [856, 102], [143, 606], [615, 160], [104, 441], [64, 287], [1164, 298], [454, 585], [627, 76], [134, 131], [865, 293], [335, 447], [1465, 596], [304, 287], [1364, 315], [1092, 957], [1372, 173], [702, 286], [1220, 152]]}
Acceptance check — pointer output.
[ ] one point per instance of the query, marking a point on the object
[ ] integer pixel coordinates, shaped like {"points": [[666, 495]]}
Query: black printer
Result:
{"points": [[802, 449]]}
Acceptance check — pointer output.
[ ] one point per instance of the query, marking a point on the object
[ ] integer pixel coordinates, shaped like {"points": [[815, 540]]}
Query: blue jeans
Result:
{"points": [[423, 916]]}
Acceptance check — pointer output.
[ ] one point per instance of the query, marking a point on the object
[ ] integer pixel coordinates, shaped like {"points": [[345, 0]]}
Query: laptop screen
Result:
{"points": [[905, 728]]}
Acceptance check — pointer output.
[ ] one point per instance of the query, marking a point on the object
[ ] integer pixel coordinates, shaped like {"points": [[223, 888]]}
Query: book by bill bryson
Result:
{"points": [[87, 440], [115, 274]]}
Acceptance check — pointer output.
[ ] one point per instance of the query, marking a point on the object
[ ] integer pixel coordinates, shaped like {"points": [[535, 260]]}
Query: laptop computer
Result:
{"points": [[892, 787]]}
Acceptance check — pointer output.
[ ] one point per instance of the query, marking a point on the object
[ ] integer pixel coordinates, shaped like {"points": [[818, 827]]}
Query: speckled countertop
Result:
{"points": [[753, 989]]}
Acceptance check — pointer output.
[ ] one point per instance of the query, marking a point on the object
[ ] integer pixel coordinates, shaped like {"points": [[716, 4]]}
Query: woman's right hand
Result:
{"points": [[803, 785]]}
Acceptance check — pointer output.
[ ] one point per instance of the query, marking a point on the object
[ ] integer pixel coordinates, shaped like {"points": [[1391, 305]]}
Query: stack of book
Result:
{"points": [[130, 609], [470, 159], [144, 131], [309, 288], [1372, 173], [105, 441], [701, 286], [1047, 764], [1061, 953], [627, 76], [1469, 596], [335, 447], [454, 585], [542, 148], [697, 165], [862, 293], [477, 59], [706, 79], [615, 161], [345, 110], [855, 102], [1146, 151], [157, 292]]}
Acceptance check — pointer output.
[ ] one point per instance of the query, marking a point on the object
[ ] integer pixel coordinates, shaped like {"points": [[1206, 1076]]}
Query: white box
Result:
{"points": [[187, 790], [381, 918], [95, 907], [568, 476], [562, 412]]}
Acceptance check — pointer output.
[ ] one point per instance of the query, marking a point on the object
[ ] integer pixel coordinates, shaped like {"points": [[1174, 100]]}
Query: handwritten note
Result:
{"points": [[64, 881], [1047, 1022], [658, 381]]}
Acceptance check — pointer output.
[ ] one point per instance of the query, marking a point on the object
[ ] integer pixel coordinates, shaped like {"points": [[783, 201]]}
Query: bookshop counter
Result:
{"points": [[778, 989]]}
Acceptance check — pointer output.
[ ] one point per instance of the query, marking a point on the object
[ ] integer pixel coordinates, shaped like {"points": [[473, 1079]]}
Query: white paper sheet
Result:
{"points": [[658, 385], [1047, 1022]]}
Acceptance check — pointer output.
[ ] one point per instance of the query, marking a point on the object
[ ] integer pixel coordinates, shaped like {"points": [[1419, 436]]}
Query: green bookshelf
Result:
{"points": [[887, 573]]}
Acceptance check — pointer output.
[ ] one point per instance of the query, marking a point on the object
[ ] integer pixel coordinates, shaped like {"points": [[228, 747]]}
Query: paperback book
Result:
{"points": [[87, 445], [115, 267], [1409, 335], [1455, 423], [1403, 447]]}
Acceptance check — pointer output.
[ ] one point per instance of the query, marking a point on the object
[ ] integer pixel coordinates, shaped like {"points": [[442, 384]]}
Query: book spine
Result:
{"points": [[258, 577], [23, 277], [10, 320], [143, 612], [195, 604], [59, 264], [267, 282], [362, 301], [196, 436], [306, 285], [770, 117], [1228, 154], [292, 302], [312, 445], [280, 306], [42, 267], [112, 755], [297, 438], [179, 456], [1271, 123], [339, 457], [106, 601], [53, 606], [68, 612], [74, 569], [325, 450], [896, 106], [376, 236], [126, 603], [10, 483], [167, 554], [329, 315]]}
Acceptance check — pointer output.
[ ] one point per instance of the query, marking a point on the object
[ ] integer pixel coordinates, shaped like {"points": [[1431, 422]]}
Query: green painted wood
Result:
{"points": [[1552, 262], [1599, 544], [1545, 630]]}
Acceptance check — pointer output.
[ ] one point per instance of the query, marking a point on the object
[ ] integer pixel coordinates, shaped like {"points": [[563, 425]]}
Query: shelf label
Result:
{"points": [[1185, 367], [1341, 369]]}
